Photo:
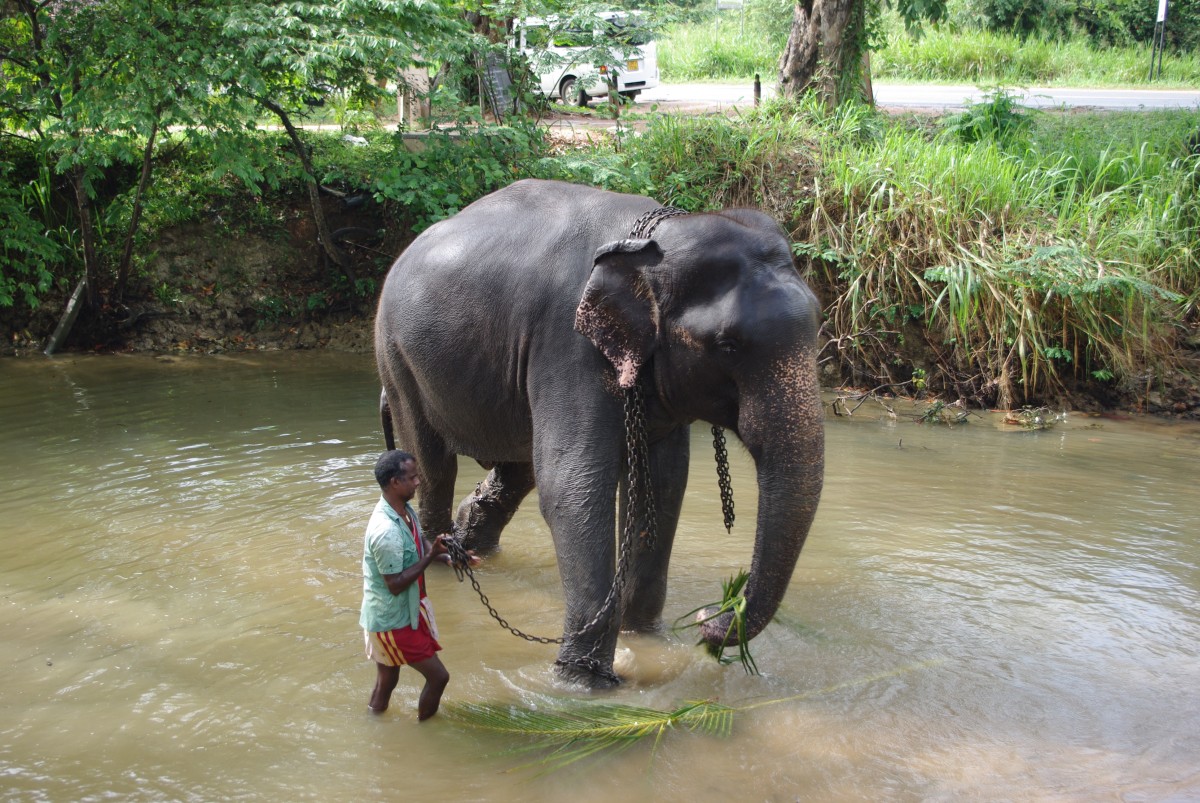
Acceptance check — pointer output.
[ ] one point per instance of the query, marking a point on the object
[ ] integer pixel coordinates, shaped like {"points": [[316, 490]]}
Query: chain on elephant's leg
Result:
{"points": [[482, 516], [587, 659]]}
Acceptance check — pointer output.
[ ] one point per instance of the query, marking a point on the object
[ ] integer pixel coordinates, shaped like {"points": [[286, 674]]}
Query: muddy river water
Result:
{"points": [[979, 613]]}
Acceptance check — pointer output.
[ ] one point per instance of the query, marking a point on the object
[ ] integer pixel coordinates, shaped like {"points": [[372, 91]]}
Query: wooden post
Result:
{"points": [[68, 318]]}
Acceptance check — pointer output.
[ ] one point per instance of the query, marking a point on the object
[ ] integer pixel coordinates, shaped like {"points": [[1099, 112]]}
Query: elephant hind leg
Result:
{"points": [[484, 514], [437, 464]]}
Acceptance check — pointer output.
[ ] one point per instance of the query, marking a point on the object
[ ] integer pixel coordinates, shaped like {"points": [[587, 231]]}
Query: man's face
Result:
{"points": [[407, 484]]}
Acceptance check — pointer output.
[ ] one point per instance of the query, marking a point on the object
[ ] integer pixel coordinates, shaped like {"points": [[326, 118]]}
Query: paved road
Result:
{"points": [[725, 96]]}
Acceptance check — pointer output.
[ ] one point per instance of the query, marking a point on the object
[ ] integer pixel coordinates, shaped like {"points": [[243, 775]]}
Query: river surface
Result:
{"points": [[979, 613]]}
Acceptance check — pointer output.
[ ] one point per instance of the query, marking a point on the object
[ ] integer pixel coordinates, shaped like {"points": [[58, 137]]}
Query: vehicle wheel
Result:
{"points": [[571, 93], [632, 94]]}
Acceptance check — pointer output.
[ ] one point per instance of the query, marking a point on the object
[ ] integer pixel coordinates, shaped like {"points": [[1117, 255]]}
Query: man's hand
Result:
{"points": [[441, 551]]}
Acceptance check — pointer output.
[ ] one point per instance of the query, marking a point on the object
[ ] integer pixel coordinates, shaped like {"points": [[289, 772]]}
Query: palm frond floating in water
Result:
{"points": [[574, 731], [569, 730], [733, 600]]}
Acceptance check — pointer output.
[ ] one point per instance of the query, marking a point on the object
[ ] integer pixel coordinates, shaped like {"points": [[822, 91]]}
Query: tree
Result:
{"points": [[277, 55], [827, 47], [94, 84]]}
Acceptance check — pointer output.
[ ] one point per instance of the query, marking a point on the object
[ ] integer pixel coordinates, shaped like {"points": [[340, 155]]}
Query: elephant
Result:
{"points": [[509, 332]]}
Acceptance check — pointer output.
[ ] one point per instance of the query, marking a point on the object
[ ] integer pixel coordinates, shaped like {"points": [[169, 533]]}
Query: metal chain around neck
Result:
{"points": [[645, 225], [643, 228]]}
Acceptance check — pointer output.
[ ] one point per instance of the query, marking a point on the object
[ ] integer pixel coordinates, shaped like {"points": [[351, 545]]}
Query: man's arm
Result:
{"points": [[399, 583]]}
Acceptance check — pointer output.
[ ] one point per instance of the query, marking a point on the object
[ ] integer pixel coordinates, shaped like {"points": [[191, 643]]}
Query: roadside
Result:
{"points": [[731, 97]]}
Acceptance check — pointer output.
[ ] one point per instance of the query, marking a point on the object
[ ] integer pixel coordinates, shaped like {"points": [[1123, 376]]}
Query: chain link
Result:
{"points": [[641, 504], [723, 479], [645, 225], [460, 561]]}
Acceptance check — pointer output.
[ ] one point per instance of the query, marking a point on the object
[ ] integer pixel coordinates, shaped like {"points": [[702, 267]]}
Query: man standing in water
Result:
{"points": [[396, 615]]}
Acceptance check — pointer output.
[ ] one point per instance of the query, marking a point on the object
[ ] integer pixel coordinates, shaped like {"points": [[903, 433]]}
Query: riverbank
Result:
{"points": [[1073, 293], [259, 292]]}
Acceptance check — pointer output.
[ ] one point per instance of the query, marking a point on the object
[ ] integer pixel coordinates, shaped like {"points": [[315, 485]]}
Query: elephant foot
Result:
{"points": [[481, 532], [483, 515], [586, 672]]}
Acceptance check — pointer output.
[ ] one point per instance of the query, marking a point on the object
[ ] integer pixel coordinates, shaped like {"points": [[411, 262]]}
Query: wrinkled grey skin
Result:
{"points": [[504, 334]]}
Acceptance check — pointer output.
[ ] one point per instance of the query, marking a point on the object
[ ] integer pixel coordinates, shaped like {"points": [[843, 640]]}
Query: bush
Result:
{"points": [[455, 166], [29, 249], [998, 116], [1103, 22]]}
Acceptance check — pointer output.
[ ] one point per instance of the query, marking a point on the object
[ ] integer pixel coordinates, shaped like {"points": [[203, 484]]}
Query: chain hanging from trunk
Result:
{"points": [[723, 476]]}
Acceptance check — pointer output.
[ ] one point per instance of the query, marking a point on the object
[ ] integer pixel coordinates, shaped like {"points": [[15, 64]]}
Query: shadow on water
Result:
{"points": [[979, 612]]}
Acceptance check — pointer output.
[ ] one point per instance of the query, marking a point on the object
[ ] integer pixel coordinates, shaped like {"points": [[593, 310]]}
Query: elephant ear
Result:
{"points": [[618, 311]]}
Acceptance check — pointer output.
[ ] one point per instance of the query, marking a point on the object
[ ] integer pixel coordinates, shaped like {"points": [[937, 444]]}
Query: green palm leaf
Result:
{"points": [[574, 730], [733, 600], [570, 730]]}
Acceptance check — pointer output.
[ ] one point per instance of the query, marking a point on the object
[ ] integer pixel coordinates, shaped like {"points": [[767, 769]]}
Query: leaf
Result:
{"points": [[574, 730], [733, 601], [570, 730]]}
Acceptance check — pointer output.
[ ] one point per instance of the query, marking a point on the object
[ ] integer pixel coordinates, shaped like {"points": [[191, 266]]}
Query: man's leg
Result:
{"points": [[436, 678], [385, 683]]}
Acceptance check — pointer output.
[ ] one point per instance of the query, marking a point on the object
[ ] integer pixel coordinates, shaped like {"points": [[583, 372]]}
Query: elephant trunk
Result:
{"points": [[782, 427]]}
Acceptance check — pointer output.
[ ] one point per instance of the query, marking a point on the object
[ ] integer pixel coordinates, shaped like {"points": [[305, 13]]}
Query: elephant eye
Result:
{"points": [[726, 344]]}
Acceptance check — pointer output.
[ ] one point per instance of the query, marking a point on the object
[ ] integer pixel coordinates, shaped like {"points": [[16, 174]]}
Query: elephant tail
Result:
{"points": [[385, 418]]}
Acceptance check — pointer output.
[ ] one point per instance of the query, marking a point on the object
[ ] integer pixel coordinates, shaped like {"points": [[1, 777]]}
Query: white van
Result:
{"points": [[563, 75]]}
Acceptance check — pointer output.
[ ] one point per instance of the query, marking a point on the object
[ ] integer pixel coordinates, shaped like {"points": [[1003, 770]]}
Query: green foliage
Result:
{"points": [[720, 48], [94, 86], [611, 171], [1020, 17], [1100, 22], [450, 167], [733, 602], [167, 295], [998, 116], [704, 163], [272, 309], [1016, 254], [566, 731], [969, 52], [29, 250]]}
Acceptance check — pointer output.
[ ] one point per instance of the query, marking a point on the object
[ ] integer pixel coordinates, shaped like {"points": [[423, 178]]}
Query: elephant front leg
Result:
{"points": [[577, 501], [484, 514], [645, 591]]}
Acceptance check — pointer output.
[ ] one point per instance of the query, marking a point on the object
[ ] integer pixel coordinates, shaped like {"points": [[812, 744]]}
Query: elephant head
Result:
{"points": [[713, 311]]}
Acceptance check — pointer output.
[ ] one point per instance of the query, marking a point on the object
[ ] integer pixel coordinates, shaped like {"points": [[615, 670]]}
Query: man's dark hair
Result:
{"points": [[391, 465]]}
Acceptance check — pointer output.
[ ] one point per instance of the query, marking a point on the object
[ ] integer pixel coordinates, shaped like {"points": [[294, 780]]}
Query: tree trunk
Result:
{"points": [[87, 233], [314, 194], [824, 52], [135, 215]]}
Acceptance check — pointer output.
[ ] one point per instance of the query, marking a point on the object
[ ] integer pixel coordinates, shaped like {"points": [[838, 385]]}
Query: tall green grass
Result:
{"points": [[721, 49], [1024, 264], [984, 57], [718, 48]]}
